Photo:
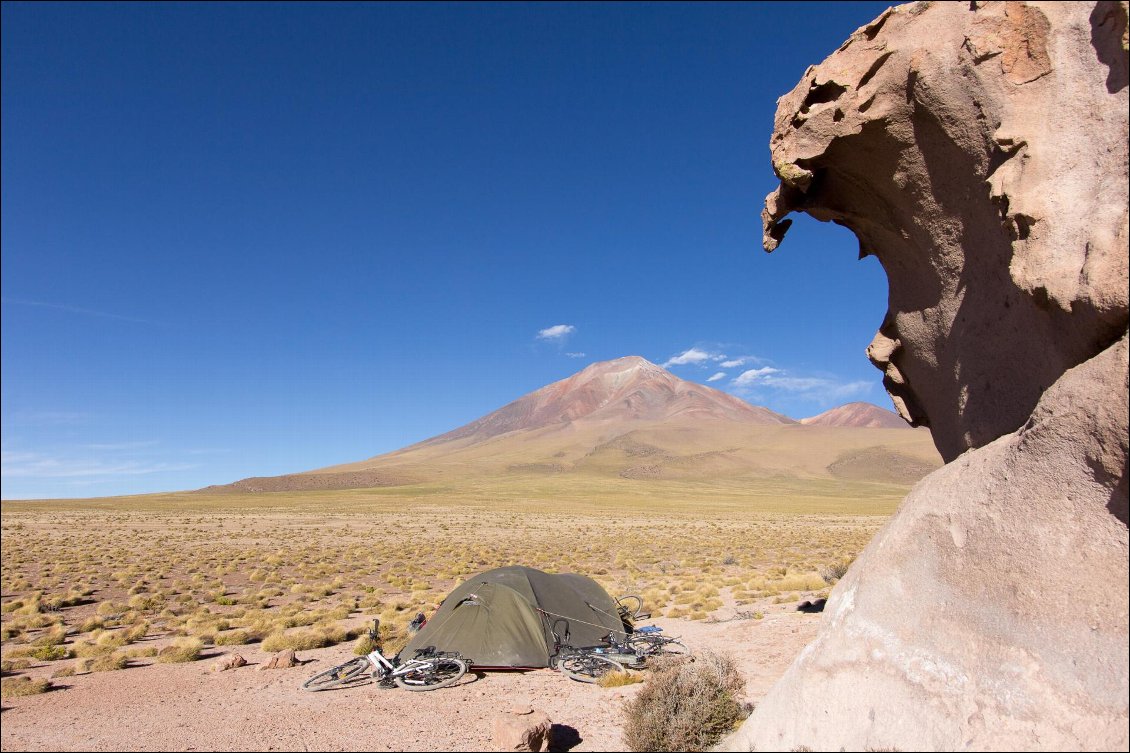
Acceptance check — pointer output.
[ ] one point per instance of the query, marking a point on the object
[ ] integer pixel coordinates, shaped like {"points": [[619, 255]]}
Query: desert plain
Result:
{"points": [[118, 608]]}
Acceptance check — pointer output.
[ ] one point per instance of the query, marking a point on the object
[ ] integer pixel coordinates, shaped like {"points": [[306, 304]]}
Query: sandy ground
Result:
{"points": [[187, 707]]}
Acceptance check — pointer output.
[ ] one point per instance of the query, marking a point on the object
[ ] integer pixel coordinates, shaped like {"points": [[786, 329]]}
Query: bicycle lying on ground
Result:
{"points": [[427, 670], [591, 663], [649, 644]]}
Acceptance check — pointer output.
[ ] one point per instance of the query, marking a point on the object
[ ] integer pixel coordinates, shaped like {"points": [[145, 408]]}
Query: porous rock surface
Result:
{"points": [[979, 150]]}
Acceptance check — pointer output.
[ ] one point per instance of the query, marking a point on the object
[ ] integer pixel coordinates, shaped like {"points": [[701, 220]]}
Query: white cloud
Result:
{"points": [[716, 377], [754, 376], [557, 332], [576, 355], [692, 356]]}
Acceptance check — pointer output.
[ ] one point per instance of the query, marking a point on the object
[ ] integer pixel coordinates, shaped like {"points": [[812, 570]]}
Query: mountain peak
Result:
{"points": [[859, 415], [624, 389]]}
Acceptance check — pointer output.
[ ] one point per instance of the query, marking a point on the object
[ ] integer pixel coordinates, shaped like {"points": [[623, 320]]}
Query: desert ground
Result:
{"points": [[120, 607]]}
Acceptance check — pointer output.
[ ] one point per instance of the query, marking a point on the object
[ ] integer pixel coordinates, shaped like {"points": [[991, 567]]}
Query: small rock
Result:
{"points": [[522, 729], [230, 661], [282, 660]]}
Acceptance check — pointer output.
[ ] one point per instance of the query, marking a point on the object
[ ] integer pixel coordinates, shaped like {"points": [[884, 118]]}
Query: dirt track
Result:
{"points": [[186, 707]]}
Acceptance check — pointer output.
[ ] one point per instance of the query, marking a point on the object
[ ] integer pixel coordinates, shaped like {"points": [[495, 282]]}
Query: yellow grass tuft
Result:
{"points": [[13, 687], [181, 650], [619, 679]]}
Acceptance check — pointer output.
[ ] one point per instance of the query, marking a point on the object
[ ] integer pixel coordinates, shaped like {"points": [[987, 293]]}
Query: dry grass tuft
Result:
{"points": [[619, 679], [110, 663], [13, 687], [686, 704], [181, 650]]}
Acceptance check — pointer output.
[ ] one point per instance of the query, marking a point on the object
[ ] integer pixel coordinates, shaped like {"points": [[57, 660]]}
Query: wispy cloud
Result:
{"points": [[733, 363], [576, 355], [121, 445], [816, 389], [716, 377], [46, 418], [557, 332], [74, 310], [38, 465]]}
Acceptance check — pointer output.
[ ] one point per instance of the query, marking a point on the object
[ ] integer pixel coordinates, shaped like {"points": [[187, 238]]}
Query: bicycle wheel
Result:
{"points": [[435, 673], [354, 672], [587, 667], [629, 607]]}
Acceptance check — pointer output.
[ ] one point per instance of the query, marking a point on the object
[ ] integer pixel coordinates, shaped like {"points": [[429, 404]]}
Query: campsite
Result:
{"points": [[305, 567]]}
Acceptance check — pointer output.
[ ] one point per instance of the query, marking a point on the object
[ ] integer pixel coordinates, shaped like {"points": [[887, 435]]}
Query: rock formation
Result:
{"points": [[979, 150]]}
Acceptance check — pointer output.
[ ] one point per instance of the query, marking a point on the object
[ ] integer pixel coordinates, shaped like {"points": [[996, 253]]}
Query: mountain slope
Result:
{"points": [[859, 415], [628, 420]]}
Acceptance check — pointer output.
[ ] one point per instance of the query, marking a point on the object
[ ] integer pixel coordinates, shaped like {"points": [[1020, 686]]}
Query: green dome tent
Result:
{"points": [[506, 617]]}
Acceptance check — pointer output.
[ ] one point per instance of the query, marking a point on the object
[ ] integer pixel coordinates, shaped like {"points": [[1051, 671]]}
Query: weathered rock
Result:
{"points": [[228, 661], [996, 205], [980, 152], [522, 728], [282, 660]]}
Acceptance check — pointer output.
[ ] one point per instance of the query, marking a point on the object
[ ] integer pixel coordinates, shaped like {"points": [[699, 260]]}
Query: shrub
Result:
{"points": [[364, 646], [236, 637], [181, 650], [51, 653], [300, 640], [56, 636], [140, 652], [10, 687], [686, 704], [832, 573], [109, 663]]}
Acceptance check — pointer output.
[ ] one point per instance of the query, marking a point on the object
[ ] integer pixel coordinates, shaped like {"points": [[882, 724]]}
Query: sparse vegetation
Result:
{"points": [[121, 583]]}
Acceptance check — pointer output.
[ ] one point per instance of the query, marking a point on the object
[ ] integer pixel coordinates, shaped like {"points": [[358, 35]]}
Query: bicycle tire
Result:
{"points": [[587, 667], [439, 673], [354, 672], [630, 606]]}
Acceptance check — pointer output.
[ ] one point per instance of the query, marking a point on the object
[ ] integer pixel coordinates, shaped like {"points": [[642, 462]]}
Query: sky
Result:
{"points": [[253, 239]]}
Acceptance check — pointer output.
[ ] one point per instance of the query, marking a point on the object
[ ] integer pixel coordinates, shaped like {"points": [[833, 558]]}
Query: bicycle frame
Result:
{"points": [[384, 668]]}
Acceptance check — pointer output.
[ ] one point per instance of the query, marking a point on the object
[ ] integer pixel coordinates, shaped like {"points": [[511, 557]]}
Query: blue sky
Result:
{"points": [[256, 239]]}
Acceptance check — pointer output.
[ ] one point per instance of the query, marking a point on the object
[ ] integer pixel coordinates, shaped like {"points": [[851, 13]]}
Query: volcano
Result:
{"points": [[630, 419]]}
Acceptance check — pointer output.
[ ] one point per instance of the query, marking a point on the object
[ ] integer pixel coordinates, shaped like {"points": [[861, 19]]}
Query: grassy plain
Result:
{"points": [[105, 584]]}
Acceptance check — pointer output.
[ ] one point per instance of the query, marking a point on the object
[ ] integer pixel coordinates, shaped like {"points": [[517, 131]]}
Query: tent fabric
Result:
{"points": [[506, 617]]}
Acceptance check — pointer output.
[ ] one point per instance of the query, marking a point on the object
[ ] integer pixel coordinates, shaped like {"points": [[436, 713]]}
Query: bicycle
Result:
{"points": [[650, 644], [590, 663], [427, 670]]}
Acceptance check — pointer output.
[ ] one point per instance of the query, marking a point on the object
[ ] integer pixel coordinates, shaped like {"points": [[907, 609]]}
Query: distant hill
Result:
{"points": [[858, 415], [630, 419]]}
